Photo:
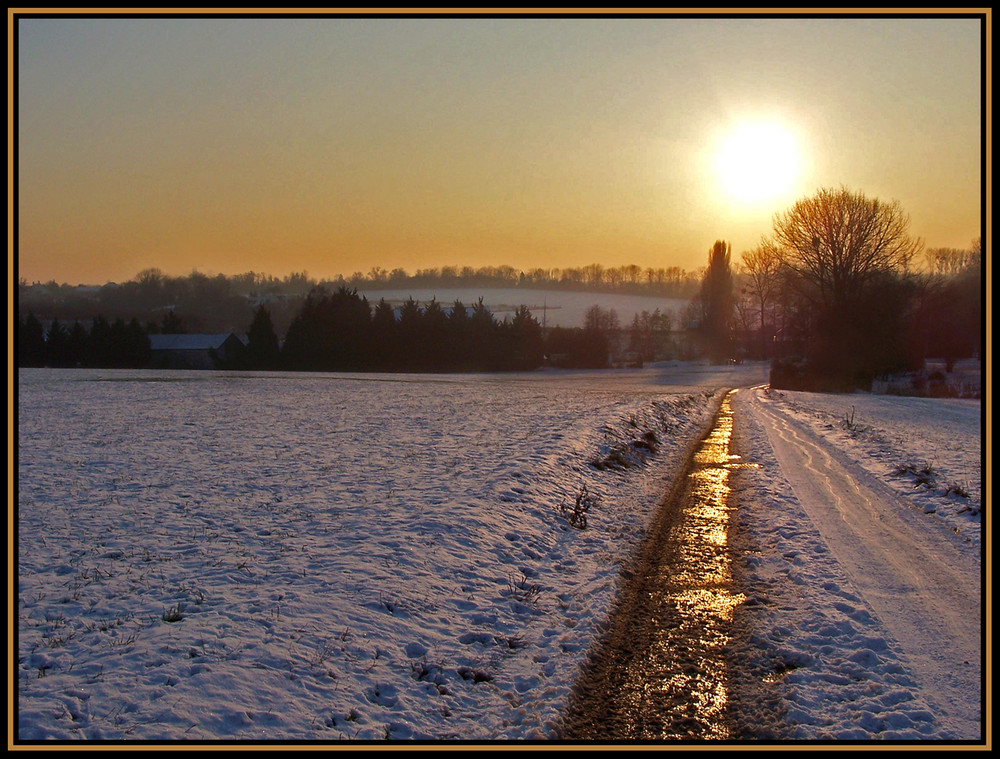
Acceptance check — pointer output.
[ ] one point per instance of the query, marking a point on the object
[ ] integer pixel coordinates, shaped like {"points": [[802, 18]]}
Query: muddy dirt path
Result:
{"points": [[661, 672]]}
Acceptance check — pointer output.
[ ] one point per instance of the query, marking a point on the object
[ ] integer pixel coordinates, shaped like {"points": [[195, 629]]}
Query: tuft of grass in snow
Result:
{"points": [[577, 516], [476, 675], [512, 642], [958, 489], [522, 590], [387, 603], [923, 474], [173, 614], [852, 427], [962, 491]]}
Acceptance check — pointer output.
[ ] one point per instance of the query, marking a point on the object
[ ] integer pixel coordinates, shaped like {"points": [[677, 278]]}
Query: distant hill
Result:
{"points": [[217, 304], [553, 308]]}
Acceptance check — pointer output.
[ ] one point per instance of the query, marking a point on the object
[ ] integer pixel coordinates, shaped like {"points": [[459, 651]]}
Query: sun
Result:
{"points": [[758, 161]]}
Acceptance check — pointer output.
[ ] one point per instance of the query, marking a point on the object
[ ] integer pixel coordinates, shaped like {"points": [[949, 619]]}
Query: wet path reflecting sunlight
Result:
{"points": [[663, 675]]}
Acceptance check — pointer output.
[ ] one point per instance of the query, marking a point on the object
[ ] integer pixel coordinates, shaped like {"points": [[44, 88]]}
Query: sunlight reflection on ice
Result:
{"points": [[696, 591]]}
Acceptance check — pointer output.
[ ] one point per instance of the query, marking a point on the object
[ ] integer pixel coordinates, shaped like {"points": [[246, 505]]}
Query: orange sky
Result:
{"points": [[333, 145]]}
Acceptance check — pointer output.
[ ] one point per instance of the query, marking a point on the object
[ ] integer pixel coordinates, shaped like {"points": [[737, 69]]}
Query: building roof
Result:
{"points": [[188, 342]]}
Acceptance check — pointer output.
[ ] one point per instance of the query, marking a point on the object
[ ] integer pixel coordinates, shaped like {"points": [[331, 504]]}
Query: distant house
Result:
{"points": [[193, 351]]}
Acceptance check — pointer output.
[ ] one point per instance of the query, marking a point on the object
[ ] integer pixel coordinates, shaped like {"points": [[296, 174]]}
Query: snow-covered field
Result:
{"points": [[234, 557], [326, 557]]}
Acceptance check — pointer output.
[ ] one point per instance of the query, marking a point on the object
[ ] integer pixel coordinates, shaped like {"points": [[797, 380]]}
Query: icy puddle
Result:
{"points": [[663, 675]]}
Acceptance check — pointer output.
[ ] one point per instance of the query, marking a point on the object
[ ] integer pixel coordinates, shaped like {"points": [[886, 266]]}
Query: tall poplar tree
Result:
{"points": [[717, 303]]}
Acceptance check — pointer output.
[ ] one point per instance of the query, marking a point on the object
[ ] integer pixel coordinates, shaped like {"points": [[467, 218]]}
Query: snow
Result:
{"points": [[923, 447], [864, 592], [289, 557]]}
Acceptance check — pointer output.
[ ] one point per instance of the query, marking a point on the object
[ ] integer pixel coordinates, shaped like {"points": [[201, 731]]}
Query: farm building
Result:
{"points": [[193, 351]]}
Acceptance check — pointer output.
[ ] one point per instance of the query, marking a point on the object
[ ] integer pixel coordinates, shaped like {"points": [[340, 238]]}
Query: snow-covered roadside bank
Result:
{"points": [[813, 661], [929, 450], [325, 558]]}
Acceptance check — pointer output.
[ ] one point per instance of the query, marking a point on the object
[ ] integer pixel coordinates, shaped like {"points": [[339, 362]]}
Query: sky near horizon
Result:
{"points": [[334, 145]]}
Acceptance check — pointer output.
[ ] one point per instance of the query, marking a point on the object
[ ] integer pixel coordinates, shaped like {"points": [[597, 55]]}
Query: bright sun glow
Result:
{"points": [[758, 162]]}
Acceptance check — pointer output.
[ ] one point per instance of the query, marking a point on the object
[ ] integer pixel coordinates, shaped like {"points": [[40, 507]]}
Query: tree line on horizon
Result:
{"points": [[671, 281], [339, 331], [835, 297], [225, 303]]}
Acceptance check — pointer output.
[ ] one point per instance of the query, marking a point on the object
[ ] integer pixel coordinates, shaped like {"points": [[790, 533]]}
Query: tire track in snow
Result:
{"points": [[926, 593]]}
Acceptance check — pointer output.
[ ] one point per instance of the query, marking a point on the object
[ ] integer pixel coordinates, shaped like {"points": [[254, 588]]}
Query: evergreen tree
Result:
{"points": [[57, 346], [30, 342], [410, 335], [136, 351], [351, 325], [460, 336], [330, 332], [385, 338], [172, 324], [717, 303], [120, 345], [526, 340], [78, 344], [101, 349], [600, 336], [484, 333], [263, 351], [436, 353]]}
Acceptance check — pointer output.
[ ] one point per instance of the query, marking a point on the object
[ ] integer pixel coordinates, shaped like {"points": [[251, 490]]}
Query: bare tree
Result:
{"points": [[762, 268], [593, 274], [846, 259], [838, 241], [952, 261]]}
